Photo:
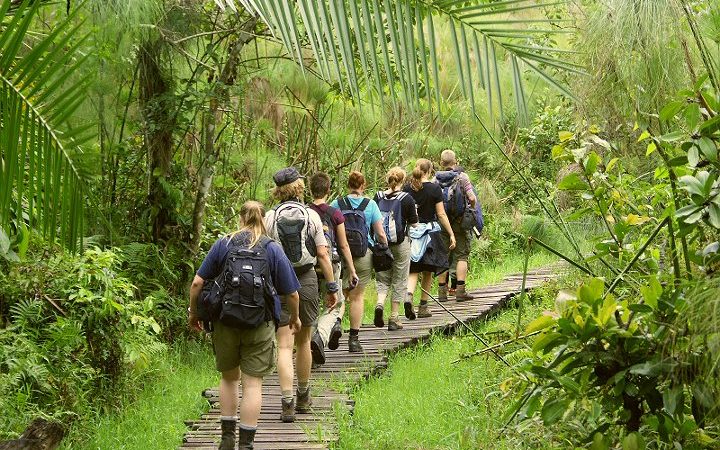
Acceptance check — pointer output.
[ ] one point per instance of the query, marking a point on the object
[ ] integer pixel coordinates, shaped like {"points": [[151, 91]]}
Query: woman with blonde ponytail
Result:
{"points": [[428, 255], [249, 353], [399, 213]]}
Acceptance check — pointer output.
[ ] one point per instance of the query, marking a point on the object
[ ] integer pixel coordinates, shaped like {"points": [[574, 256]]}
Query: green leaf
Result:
{"points": [[669, 110], [572, 182], [703, 394], [553, 410], [674, 400], [644, 135], [672, 137], [591, 163], [650, 149], [692, 185], [708, 148], [591, 291], [544, 340], [4, 242], [539, 323], [714, 215], [648, 368], [633, 441], [565, 136], [652, 292], [599, 442]]}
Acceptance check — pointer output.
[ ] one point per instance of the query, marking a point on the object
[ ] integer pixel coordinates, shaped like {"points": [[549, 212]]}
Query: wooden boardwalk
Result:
{"points": [[319, 430]]}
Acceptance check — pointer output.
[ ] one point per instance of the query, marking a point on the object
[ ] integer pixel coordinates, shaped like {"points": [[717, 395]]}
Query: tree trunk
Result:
{"points": [[39, 435], [210, 151], [156, 98]]}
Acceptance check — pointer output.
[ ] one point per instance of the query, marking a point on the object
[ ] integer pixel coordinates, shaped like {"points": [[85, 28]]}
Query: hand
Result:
{"points": [[452, 242], [331, 300], [295, 325], [194, 323], [354, 278]]}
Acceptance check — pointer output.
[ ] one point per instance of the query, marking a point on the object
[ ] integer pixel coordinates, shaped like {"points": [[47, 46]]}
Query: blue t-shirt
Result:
{"points": [[281, 269], [372, 213]]}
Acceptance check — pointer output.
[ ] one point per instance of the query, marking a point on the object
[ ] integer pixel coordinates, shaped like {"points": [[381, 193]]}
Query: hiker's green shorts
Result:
{"points": [[309, 300], [461, 252], [254, 350], [363, 268]]}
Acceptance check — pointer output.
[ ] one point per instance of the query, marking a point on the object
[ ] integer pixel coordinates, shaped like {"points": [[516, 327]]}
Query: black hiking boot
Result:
{"points": [[335, 335], [288, 410], [317, 348], [354, 344], [379, 322], [409, 312], [246, 439], [304, 401], [227, 442]]}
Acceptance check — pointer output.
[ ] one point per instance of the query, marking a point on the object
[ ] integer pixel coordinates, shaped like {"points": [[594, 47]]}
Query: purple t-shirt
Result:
{"points": [[281, 270]]}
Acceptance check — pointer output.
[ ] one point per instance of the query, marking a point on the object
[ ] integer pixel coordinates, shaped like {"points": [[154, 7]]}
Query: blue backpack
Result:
{"points": [[393, 220], [356, 228], [454, 198]]}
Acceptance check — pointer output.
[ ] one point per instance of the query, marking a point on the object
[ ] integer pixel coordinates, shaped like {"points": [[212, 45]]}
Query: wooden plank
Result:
{"points": [[317, 429]]}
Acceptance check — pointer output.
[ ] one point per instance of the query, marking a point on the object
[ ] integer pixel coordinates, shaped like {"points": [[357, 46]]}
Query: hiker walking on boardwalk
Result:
{"points": [[329, 330], [399, 213], [361, 216], [428, 252], [243, 340], [459, 198], [300, 232]]}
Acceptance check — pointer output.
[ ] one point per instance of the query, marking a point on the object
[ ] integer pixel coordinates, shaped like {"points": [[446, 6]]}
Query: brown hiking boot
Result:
{"points": [[288, 411], [442, 295], [451, 292], [304, 401], [394, 325], [423, 311], [462, 295]]}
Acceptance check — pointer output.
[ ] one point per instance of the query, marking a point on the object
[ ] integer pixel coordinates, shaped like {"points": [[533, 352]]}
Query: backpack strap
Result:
{"points": [[344, 204], [363, 204]]}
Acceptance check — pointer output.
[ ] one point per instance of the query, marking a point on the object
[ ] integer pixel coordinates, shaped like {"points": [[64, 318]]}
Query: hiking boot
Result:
{"points": [[394, 325], [246, 438], [304, 401], [227, 442], [423, 311], [379, 322], [442, 295], [354, 345], [288, 411], [317, 348], [335, 334], [409, 313], [462, 295], [451, 292]]}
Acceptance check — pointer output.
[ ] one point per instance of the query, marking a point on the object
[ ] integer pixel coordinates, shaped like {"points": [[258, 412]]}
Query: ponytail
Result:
{"points": [[252, 221], [395, 177], [423, 168]]}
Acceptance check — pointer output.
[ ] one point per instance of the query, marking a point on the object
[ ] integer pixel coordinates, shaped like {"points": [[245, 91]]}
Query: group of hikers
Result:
{"points": [[259, 289]]}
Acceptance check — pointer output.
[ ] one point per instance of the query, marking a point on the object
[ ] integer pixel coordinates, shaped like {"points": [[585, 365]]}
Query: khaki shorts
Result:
{"points": [[363, 268], [254, 350], [309, 301], [395, 279], [461, 252]]}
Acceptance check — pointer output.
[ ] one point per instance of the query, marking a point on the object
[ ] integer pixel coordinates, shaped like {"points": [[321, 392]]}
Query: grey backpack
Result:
{"points": [[291, 227]]}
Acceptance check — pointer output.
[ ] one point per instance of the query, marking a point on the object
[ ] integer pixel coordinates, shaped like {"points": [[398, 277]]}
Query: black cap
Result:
{"points": [[286, 176]]}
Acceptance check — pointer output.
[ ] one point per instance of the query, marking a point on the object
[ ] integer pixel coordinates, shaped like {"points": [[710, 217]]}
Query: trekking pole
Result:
{"points": [[470, 330]]}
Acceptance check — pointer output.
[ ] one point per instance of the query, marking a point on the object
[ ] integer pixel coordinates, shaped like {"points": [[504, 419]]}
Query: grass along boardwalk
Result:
{"points": [[318, 430]]}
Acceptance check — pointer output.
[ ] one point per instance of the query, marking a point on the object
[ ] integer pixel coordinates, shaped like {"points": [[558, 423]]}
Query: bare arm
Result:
{"points": [[379, 232], [326, 265], [471, 199], [344, 248], [195, 289], [443, 219], [293, 302]]}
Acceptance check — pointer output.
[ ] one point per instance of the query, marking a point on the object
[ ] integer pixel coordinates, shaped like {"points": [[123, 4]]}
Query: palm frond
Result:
{"points": [[395, 43], [41, 181]]}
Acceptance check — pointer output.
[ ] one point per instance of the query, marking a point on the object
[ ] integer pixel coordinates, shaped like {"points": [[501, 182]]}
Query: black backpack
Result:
{"points": [[356, 227], [329, 229], [242, 296], [392, 214]]}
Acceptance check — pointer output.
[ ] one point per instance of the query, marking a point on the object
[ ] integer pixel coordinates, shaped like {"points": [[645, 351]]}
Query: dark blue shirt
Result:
{"points": [[281, 269]]}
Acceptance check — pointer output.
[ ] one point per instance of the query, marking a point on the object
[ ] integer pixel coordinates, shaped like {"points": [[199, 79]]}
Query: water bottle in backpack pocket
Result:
{"points": [[356, 227]]}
